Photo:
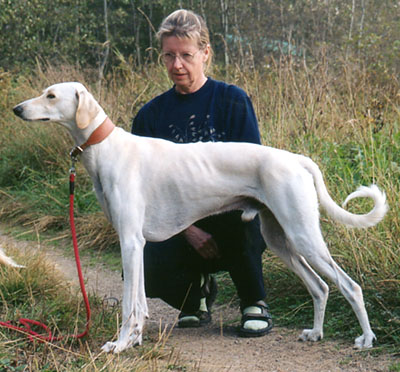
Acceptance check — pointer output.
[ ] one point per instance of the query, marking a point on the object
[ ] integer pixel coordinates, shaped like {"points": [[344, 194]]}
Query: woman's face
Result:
{"points": [[185, 63]]}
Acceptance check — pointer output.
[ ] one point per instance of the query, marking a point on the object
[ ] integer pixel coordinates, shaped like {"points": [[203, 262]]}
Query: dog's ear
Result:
{"points": [[87, 109]]}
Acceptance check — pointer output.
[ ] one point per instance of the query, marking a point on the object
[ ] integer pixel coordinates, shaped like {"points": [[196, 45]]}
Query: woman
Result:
{"points": [[198, 108]]}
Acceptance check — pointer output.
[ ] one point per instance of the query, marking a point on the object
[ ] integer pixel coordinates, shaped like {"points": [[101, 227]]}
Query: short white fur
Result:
{"points": [[151, 189]]}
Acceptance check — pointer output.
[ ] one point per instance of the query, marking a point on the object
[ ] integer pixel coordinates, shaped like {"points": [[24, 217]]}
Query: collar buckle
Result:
{"points": [[77, 150]]}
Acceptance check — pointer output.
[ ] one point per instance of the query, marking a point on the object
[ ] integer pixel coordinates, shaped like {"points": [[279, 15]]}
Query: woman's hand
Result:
{"points": [[202, 242]]}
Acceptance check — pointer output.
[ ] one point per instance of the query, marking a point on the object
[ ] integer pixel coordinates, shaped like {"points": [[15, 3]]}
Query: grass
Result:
{"points": [[39, 292], [346, 119]]}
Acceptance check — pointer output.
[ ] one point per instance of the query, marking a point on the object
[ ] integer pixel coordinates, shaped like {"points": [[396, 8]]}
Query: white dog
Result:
{"points": [[151, 189]]}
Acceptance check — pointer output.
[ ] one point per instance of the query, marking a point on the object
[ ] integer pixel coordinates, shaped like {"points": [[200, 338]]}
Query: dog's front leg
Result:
{"points": [[134, 305]]}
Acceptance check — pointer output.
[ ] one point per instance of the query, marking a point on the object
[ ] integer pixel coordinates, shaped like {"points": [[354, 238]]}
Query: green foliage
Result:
{"points": [[50, 30], [336, 99], [247, 33], [349, 124], [395, 367]]}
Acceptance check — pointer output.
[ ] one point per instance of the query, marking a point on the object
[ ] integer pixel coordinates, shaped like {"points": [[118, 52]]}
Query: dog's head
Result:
{"points": [[69, 104]]}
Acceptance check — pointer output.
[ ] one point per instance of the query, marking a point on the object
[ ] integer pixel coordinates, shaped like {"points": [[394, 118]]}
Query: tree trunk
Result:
{"points": [[106, 45], [353, 9], [225, 27]]}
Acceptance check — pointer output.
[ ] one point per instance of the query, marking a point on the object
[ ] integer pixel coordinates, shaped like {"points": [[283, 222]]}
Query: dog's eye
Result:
{"points": [[51, 96]]}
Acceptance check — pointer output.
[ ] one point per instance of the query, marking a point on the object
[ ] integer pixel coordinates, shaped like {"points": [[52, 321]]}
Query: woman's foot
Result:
{"points": [[256, 320], [202, 316]]}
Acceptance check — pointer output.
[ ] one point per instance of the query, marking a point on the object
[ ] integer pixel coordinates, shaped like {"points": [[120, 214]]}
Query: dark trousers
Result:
{"points": [[172, 268]]}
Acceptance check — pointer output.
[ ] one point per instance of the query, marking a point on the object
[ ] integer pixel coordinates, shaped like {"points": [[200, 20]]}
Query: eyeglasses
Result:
{"points": [[184, 58]]}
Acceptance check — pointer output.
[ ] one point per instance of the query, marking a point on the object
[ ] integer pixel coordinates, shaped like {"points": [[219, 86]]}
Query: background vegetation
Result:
{"points": [[245, 33], [323, 77]]}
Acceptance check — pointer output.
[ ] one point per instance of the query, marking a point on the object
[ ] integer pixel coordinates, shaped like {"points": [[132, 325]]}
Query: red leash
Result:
{"points": [[76, 249], [32, 335]]}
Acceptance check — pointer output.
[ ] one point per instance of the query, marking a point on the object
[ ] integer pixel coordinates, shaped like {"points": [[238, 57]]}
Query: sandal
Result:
{"points": [[194, 320], [263, 316], [200, 317]]}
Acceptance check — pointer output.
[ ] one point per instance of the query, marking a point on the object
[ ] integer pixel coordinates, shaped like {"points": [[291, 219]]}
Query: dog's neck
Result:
{"points": [[97, 136]]}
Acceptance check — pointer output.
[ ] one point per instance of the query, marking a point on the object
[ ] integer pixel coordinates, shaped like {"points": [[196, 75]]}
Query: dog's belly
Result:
{"points": [[162, 224]]}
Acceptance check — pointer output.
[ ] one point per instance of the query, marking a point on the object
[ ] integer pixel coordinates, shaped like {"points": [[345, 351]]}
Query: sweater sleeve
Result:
{"points": [[241, 119]]}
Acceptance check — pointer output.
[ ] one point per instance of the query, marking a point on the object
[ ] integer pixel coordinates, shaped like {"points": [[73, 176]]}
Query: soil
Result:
{"points": [[216, 347]]}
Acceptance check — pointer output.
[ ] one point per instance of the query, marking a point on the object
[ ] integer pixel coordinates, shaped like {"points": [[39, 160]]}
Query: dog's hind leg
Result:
{"points": [[306, 238], [351, 291], [134, 304], [276, 240]]}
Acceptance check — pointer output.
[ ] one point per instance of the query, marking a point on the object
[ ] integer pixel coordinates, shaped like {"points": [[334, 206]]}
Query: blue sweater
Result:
{"points": [[216, 112]]}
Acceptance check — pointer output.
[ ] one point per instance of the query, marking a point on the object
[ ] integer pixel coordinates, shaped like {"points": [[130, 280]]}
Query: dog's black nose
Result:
{"points": [[18, 110]]}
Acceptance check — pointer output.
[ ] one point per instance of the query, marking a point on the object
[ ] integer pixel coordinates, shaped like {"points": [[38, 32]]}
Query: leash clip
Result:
{"points": [[72, 170], [73, 155]]}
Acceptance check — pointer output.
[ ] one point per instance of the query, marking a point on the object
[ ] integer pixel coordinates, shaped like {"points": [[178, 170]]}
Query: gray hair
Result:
{"points": [[185, 24]]}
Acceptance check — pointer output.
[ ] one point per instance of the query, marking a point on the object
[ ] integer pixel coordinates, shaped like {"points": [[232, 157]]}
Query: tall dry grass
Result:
{"points": [[342, 115], [39, 292]]}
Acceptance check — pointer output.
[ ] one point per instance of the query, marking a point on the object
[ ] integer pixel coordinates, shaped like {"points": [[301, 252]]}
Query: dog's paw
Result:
{"points": [[115, 347], [311, 335], [109, 347], [364, 341], [121, 345]]}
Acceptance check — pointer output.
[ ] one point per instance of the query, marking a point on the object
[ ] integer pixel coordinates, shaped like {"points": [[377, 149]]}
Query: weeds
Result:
{"points": [[342, 116], [39, 292]]}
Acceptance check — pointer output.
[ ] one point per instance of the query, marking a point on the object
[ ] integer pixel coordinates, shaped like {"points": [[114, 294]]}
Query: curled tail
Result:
{"points": [[339, 214]]}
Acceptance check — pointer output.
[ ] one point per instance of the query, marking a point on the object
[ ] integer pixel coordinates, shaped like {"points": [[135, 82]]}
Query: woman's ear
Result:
{"points": [[206, 53]]}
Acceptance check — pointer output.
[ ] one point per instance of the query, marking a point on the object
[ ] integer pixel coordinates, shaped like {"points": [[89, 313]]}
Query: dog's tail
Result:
{"points": [[5, 260], [339, 214]]}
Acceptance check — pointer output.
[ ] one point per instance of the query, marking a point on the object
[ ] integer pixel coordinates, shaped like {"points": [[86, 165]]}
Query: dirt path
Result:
{"points": [[215, 348]]}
